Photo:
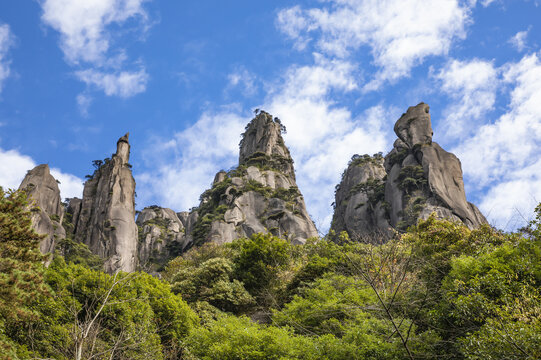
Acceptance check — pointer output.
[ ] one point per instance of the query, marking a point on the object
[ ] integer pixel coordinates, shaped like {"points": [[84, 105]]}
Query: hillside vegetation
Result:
{"points": [[438, 291]]}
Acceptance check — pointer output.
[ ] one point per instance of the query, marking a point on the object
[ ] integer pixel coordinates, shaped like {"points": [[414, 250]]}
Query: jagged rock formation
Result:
{"points": [[260, 195], [105, 218], [46, 206], [359, 206], [421, 178], [161, 237]]}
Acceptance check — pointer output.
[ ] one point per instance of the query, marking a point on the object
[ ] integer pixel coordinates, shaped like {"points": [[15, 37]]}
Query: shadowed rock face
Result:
{"points": [[260, 195], [43, 193], [359, 198], [161, 237], [421, 179], [105, 220]]}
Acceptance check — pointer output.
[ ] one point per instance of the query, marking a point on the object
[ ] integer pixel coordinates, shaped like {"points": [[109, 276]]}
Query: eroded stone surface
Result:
{"points": [[106, 221], [48, 211], [259, 196], [419, 178], [161, 237]]}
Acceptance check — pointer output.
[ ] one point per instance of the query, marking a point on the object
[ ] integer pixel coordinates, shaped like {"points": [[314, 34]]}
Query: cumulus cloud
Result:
{"points": [[472, 86], [87, 39], [399, 33], [505, 153], [83, 25], [519, 40], [6, 42], [13, 168], [124, 84]]}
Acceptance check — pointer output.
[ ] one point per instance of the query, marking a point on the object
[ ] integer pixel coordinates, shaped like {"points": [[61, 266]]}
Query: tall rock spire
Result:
{"points": [[105, 220], [260, 195], [44, 194], [421, 178]]}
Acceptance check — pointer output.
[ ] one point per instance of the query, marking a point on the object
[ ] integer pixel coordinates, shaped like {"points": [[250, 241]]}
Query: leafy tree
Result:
{"points": [[21, 268], [259, 260], [213, 282], [95, 315]]}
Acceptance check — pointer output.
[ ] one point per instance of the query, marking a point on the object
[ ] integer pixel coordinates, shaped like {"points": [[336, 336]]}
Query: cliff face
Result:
{"points": [[421, 178], [105, 218], [359, 206], [260, 195], [43, 193], [161, 237]]}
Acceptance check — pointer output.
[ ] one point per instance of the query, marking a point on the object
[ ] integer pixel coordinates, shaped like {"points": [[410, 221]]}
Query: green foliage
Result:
{"points": [[21, 269], [212, 282], [411, 178], [259, 260], [238, 338], [90, 313], [494, 299]]}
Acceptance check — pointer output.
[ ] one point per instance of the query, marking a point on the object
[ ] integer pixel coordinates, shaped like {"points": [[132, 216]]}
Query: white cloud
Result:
{"points": [[399, 33], [82, 25], [70, 185], [243, 79], [183, 166], [505, 153], [87, 38], [13, 168], [84, 101], [472, 85], [124, 84], [519, 40], [6, 42]]}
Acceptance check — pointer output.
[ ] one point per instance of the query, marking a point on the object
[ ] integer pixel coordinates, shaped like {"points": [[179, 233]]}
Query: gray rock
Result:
{"points": [[414, 127], [262, 142], [161, 237], [359, 197], [44, 196], [421, 179], [260, 196], [106, 221]]}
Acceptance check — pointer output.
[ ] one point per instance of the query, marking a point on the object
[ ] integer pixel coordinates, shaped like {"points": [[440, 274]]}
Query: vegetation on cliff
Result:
{"points": [[440, 290]]}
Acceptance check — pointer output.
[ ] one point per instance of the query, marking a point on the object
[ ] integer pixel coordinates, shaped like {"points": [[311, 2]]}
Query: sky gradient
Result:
{"points": [[184, 77]]}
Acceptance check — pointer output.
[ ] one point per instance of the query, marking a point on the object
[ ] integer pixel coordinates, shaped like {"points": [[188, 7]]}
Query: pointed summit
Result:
{"points": [[123, 148], [259, 196], [43, 192], [417, 178], [105, 218], [262, 143]]}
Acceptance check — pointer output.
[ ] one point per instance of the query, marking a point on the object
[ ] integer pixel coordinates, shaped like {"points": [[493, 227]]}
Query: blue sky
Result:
{"points": [[183, 77]]}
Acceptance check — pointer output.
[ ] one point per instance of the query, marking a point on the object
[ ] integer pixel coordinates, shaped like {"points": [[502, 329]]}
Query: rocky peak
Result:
{"points": [[359, 199], [414, 127], [421, 178], [161, 237], [260, 195], [123, 148], [106, 218], [44, 195], [262, 144]]}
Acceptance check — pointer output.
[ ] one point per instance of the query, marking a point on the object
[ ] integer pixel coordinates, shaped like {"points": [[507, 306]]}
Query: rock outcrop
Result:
{"points": [[260, 195], [421, 179], [359, 208], [46, 204], [161, 237], [105, 218]]}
